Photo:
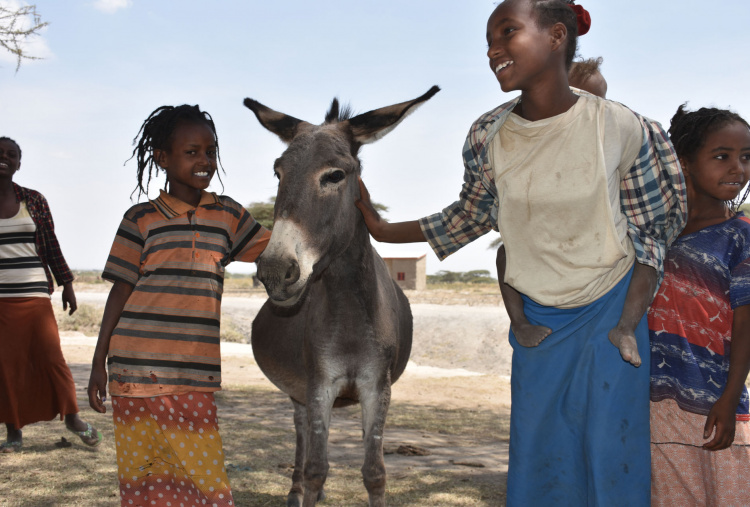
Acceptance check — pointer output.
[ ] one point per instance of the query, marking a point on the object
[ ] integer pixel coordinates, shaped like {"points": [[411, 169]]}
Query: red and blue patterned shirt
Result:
{"points": [[707, 276]]}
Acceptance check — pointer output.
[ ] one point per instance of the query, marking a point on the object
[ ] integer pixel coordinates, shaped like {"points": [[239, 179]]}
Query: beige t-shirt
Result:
{"points": [[558, 183]]}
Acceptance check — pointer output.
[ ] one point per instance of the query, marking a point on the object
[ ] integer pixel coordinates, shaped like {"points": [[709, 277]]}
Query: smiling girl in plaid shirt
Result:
{"points": [[587, 195]]}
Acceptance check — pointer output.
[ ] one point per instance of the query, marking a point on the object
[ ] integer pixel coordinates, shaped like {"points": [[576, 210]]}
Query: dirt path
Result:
{"points": [[460, 362]]}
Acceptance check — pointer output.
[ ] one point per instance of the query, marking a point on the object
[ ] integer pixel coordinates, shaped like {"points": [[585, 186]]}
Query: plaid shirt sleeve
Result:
{"points": [[653, 197], [475, 212], [47, 246]]}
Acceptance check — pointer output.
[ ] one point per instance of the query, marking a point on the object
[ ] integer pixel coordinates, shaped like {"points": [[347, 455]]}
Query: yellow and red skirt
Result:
{"points": [[169, 451]]}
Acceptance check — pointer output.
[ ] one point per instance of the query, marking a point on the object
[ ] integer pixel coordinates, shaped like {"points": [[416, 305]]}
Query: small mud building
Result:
{"points": [[408, 272]]}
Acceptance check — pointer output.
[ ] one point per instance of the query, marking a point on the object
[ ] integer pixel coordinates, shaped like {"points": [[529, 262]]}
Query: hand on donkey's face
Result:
{"points": [[372, 218]]}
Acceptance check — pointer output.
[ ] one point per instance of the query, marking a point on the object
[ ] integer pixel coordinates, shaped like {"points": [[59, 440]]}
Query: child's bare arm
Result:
{"points": [[638, 298], [525, 333], [97, 390], [723, 414], [397, 232]]}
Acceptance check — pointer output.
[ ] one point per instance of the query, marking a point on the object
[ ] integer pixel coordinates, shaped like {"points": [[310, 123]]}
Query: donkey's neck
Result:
{"points": [[355, 265]]}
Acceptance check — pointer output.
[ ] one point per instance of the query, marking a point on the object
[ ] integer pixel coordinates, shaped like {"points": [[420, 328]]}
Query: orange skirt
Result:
{"points": [[35, 381]]}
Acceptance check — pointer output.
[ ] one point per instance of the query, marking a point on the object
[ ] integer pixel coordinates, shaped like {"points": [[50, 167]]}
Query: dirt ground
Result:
{"points": [[446, 439]]}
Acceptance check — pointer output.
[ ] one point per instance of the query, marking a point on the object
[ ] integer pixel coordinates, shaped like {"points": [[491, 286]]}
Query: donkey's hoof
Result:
{"points": [[294, 500]]}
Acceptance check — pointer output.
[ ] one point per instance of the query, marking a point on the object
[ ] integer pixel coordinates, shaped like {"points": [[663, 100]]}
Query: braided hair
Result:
{"points": [[550, 12], [688, 131], [3, 138], [157, 133]]}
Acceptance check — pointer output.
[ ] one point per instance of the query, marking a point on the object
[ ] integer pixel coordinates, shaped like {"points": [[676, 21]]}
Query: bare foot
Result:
{"points": [[625, 341], [529, 335]]}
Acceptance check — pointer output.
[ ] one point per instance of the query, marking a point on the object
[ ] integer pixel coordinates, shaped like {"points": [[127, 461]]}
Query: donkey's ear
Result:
{"points": [[371, 126], [282, 125]]}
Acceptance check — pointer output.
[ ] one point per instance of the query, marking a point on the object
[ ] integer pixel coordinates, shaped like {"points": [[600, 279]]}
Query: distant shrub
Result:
{"points": [[476, 276], [230, 332], [87, 319]]}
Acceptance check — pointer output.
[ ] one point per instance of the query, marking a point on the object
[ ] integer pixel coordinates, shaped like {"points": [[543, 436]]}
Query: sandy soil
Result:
{"points": [[460, 360]]}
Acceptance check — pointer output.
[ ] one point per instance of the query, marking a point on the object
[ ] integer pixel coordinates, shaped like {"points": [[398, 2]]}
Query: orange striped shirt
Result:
{"points": [[167, 338]]}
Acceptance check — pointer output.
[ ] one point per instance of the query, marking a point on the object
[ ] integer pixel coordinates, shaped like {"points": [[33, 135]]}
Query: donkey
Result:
{"points": [[336, 329]]}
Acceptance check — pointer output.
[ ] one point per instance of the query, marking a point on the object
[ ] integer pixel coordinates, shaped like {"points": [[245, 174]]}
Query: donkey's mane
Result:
{"points": [[337, 114]]}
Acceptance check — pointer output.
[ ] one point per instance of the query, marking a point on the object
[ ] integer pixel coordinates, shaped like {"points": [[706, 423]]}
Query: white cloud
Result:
{"points": [[112, 6]]}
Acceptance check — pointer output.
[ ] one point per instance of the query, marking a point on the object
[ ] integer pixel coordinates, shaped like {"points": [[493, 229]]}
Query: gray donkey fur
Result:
{"points": [[336, 330]]}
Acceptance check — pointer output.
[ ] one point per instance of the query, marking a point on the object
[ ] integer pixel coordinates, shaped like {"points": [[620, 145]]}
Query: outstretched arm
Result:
{"points": [[386, 232], [723, 414], [638, 298], [97, 389]]}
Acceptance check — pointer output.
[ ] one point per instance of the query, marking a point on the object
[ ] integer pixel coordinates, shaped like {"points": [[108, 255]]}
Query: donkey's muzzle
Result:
{"points": [[279, 276]]}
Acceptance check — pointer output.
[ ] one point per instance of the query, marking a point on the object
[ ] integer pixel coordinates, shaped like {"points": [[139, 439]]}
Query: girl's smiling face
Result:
{"points": [[521, 53], [190, 161], [721, 167]]}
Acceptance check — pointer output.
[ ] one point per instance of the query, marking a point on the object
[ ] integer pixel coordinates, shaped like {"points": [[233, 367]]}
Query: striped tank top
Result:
{"points": [[21, 270]]}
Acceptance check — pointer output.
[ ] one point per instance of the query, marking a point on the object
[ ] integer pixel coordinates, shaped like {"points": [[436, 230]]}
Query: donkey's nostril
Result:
{"points": [[292, 274]]}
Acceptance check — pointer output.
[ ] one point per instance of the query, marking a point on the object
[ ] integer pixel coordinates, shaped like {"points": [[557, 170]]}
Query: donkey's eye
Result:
{"points": [[332, 177]]}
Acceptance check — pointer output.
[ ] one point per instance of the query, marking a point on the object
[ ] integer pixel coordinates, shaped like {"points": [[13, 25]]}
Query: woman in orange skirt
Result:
{"points": [[35, 382]]}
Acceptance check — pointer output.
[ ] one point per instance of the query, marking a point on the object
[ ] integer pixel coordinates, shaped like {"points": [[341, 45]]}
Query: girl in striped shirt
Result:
{"points": [[160, 331]]}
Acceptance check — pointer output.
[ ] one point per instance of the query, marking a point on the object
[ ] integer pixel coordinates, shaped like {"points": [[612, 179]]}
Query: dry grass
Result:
{"points": [[260, 455], [258, 438], [87, 319]]}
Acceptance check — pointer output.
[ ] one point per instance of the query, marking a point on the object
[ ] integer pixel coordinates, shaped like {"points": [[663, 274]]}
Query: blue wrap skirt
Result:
{"points": [[579, 430]]}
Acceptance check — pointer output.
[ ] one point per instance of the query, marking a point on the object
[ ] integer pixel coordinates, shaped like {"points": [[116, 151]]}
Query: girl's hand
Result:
{"points": [[722, 418], [97, 389], [399, 232], [372, 219], [69, 298]]}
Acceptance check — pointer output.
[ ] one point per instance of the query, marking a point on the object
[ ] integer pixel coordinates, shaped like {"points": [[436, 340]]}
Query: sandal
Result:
{"points": [[89, 436], [11, 446]]}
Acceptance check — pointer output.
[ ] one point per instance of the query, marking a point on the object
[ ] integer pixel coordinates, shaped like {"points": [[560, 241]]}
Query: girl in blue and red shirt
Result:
{"points": [[699, 323]]}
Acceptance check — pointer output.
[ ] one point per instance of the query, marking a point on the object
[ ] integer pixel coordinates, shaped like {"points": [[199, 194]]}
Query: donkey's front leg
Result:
{"points": [[294, 499], [375, 400], [320, 400]]}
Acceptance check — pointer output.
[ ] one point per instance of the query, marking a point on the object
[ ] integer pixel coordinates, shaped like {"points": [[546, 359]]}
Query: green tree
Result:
{"points": [[14, 31], [263, 211]]}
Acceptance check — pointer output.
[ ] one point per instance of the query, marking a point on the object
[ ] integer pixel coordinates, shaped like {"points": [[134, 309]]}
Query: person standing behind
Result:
{"points": [[160, 330], [699, 323], [35, 381]]}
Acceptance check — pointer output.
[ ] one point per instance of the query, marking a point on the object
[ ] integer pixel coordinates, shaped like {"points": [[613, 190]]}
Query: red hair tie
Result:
{"points": [[583, 19]]}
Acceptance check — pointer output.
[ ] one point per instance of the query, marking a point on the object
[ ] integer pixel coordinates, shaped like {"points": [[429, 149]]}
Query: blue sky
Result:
{"points": [[108, 64]]}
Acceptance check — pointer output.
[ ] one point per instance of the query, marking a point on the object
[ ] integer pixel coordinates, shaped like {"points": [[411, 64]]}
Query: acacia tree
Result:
{"points": [[14, 31], [262, 212]]}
